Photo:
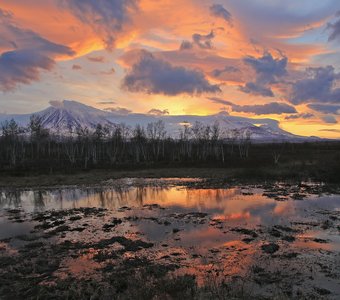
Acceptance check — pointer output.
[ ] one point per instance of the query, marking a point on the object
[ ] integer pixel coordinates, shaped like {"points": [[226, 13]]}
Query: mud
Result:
{"points": [[171, 239]]}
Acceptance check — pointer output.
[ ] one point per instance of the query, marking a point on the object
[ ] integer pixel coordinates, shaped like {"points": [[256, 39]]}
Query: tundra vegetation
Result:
{"points": [[35, 149]]}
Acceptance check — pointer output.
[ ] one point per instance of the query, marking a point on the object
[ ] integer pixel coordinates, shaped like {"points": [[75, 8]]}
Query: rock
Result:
{"points": [[290, 255], [275, 233], [248, 240], [114, 223], [288, 238], [320, 241], [270, 248], [322, 291], [246, 231], [326, 225], [284, 228]]}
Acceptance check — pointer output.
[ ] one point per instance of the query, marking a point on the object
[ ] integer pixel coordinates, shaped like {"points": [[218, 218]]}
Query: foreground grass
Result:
{"points": [[287, 172]]}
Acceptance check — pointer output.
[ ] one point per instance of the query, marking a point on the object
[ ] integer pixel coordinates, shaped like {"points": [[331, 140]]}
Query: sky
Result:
{"points": [[277, 59]]}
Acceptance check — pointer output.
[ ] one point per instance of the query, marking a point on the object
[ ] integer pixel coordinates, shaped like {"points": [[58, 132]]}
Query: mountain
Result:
{"points": [[65, 116]]}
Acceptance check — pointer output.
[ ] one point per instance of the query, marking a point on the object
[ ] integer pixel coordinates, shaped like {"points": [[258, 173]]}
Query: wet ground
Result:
{"points": [[171, 239]]}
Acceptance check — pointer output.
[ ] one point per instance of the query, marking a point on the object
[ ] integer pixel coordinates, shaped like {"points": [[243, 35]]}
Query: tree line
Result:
{"points": [[36, 147]]}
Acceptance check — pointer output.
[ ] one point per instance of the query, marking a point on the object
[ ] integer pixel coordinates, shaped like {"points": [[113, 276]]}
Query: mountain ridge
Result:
{"points": [[67, 116]]}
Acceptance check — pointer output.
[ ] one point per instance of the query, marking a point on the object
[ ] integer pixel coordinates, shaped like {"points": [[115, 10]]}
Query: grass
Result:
{"points": [[292, 172]]}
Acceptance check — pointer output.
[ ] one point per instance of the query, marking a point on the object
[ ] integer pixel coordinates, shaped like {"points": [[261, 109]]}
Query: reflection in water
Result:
{"points": [[202, 229], [228, 204], [233, 206]]}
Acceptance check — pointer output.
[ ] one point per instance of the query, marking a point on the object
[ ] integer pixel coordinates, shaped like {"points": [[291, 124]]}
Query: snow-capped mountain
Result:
{"points": [[65, 116], [70, 115]]}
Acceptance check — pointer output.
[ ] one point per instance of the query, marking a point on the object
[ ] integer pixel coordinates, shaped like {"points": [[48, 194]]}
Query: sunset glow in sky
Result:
{"points": [[276, 59]]}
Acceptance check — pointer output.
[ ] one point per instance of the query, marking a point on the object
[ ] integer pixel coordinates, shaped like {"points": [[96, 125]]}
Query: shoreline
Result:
{"points": [[232, 176]]}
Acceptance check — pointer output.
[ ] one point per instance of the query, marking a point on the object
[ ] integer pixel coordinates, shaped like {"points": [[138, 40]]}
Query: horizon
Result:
{"points": [[170, 149], [264, 60]]}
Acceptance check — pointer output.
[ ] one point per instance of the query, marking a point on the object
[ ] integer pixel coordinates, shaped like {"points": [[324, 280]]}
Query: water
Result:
{"points": [[198, 227]]}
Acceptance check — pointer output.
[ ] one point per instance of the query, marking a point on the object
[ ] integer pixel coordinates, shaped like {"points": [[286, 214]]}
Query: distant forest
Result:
{"points": [[35, 148]]}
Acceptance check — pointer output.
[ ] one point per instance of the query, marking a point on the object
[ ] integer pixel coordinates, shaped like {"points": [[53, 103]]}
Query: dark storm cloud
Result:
{"points": [[106, 17], [318, 86], [268, 70], [156, 76], [335, 29], [30, 54], [300, 116], [219, 11], [325, 108], [260, 109]]}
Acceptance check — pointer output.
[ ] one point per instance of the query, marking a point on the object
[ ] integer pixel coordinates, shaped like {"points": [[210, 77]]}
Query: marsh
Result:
{"points": [[210, 238]]}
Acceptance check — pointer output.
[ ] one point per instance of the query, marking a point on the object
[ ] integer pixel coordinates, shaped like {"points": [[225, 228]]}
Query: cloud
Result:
{"points": [[267, 67], [199, 40], [56, 103], [119, 110], [106, 102], [220, 101], [335, 28], [109, 72], [158, 112], [268, 70], [96, 59], [156, 76], [28, 54], [217, 10], [203, 41], [256, 89], [106, 17], [300, 116], [186, 45], [329, 119], [270, 20], [227, 69], [266, 109], [330, 130], [325, 108], [318, 86], [259, 109], [76, 67]]}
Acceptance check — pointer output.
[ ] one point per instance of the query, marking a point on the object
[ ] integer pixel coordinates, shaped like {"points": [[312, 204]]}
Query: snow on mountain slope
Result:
{"points": [[70, 115], [65, 116]]}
